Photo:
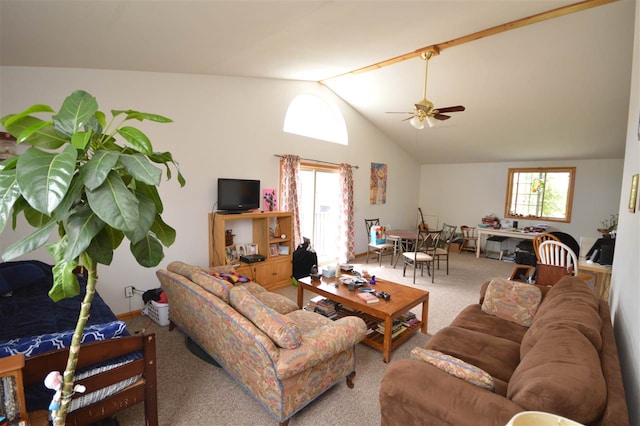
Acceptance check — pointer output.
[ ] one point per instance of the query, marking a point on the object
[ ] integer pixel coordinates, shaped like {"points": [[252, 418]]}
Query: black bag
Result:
{"points": [[304, 259]]}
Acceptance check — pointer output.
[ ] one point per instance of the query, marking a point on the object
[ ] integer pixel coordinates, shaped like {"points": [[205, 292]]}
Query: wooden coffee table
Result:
{"points": [[403, 298]]}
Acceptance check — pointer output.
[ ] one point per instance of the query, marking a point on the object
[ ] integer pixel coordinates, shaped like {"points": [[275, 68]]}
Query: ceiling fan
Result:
{"points": [[424, 109]]}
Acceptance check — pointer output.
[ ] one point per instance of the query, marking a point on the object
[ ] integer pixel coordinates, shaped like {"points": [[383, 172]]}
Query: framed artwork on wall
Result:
{"points": [[633, 195]]}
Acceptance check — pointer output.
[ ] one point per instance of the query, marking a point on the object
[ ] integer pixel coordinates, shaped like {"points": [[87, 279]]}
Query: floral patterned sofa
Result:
{"points": [[284, 356]]}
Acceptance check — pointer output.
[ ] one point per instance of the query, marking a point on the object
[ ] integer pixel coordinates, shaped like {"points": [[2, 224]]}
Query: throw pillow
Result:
{"points": [[282, 330], [216, 286], [19, 275], [232, 277], [456, 367], [512, 300], [550, 274]]}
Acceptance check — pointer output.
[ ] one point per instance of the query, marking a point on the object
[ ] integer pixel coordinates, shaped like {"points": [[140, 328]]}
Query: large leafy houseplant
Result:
{"points": [[78, 180]]}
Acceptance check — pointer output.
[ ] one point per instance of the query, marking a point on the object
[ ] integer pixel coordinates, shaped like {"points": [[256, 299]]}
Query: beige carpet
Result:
{"points": [[192, 392]]}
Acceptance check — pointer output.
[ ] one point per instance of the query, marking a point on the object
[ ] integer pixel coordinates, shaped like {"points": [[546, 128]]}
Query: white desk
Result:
{"points": [[503, 233]]}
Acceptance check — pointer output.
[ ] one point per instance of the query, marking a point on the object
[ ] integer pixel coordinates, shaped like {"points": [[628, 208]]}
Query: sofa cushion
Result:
{"points": [[571, 303], [282, 330], [456, 367], [216, 286], [473, 318], [498, 357], [512, 300], [561, 374]]}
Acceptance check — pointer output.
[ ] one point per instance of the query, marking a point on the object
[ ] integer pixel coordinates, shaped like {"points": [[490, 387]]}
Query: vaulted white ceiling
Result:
{"points": [[557, 89]]}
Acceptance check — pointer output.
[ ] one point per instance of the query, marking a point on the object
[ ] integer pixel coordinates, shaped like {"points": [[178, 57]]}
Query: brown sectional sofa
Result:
{"points": [[565, 363]]}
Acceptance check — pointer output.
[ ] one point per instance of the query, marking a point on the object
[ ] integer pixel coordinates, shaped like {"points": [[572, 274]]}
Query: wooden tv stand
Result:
{"points": [[276, 269]]}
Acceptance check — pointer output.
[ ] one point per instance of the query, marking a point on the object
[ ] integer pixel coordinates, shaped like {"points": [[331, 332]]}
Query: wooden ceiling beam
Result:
{"points": [[436, 48]]}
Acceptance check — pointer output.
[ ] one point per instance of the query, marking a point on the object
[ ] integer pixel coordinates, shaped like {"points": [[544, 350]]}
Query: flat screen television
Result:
{"points": [[238, 195]]}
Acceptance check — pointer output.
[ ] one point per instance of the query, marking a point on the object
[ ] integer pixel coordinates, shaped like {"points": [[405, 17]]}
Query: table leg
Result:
{"points": [[478, 246], [425, 316], [386, 346], [300, 292]]}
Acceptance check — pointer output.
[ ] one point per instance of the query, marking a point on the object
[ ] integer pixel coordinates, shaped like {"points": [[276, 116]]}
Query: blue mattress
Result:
{"points": [[28, 312]]}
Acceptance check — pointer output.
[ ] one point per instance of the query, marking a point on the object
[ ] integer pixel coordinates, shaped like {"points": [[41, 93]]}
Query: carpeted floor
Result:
{"points": [[194, 392]]}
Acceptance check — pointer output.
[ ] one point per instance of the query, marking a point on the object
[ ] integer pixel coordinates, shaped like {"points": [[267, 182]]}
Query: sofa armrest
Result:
{"points": [[320, 345], [411, 393]]}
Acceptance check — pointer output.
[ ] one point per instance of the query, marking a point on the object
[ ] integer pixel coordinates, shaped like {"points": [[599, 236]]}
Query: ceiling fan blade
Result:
{"points": [[456, 108], [408, 118], [441, 117]]}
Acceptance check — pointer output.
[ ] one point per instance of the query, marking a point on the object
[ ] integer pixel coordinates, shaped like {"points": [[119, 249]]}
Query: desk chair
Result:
{"points": [[378, 249], [422, 255], [469, 239], [539, 239]]}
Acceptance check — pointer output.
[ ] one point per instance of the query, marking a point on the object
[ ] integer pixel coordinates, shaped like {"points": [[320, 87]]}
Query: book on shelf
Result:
{"points": [[395, 332], [368, 297]]}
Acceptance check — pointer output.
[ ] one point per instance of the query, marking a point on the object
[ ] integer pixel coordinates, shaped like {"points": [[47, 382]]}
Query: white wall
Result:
{"points": [[625, 282], [223, 127], [462, 194]]}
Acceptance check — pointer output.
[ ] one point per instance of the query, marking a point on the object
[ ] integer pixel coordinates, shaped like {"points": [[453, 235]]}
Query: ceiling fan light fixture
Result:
{"points": [[417, 122], [431, 121]]}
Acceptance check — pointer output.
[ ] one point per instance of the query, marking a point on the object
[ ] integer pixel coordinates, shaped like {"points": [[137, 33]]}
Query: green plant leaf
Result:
{"points": [[9, 163], [96, 170], [165, 233], [131, 114], [101, 248], [44, 177], [151, 191], [65, 282], [75, 113], [164, 158], [81, 139], [34, 217], [71, 198], [114, 204], [148, 251], [9, 193], [146, 216], [8, 120], [45, 137], [81, 226], [34, 128], [138, 140], [29, 243], [141, 169], [101, 118]]}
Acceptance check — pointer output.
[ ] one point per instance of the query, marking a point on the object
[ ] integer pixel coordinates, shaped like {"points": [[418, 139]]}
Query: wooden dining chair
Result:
{"points": [[469, 239], [556, 253], [539, 239]]}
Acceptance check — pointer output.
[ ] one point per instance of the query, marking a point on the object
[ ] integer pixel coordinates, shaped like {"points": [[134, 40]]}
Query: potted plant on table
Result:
{"points": [[609, 226], [76, 178]]}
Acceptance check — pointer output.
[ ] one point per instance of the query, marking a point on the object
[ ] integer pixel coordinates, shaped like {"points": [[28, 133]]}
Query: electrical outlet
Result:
{"points": [[128, 291]]}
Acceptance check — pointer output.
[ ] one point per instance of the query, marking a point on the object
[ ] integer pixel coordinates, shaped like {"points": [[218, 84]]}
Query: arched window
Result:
{"points": [[312, 116]]}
